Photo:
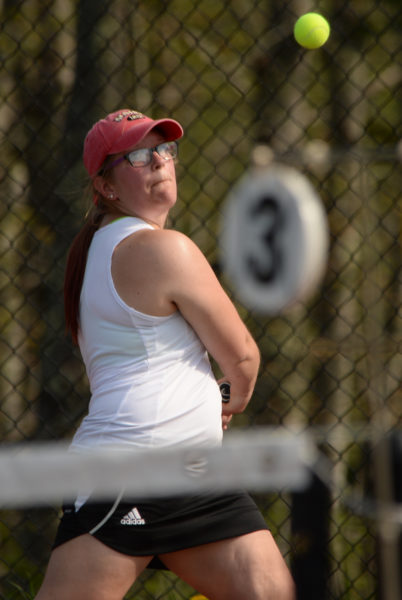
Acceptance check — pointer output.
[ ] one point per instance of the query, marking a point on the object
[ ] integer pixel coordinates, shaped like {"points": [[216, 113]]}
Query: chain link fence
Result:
{"points": [[232, 74]]}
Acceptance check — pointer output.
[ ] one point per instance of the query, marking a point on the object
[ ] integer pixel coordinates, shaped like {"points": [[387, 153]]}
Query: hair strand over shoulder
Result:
{"points": [[75, 269]]}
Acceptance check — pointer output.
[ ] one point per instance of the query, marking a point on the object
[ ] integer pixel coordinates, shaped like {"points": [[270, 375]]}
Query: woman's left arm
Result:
{"points": [[190, 283]]}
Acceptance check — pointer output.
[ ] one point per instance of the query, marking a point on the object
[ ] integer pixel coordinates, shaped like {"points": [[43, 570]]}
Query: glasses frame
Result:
{"points": [[151, 151]]}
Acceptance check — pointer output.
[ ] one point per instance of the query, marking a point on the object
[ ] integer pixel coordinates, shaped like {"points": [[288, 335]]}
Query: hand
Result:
{"points": [[225, 421]]}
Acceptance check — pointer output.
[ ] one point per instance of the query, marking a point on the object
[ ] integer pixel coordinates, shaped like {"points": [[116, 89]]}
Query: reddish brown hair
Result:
{"points": [[75, 269], [77, 255]]}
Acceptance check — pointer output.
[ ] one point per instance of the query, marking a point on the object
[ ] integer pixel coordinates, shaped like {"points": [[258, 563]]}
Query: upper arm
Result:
{"points": [[194, 288]]}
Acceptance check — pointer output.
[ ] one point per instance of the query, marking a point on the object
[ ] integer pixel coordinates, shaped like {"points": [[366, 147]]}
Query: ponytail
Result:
{"points": [[75, 269]]}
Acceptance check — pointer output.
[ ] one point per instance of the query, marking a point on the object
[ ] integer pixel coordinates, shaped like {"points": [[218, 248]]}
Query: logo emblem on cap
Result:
{"points": [[131, 115]]}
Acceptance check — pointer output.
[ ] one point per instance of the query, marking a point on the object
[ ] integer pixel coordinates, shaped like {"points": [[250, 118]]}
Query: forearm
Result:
{"points": [[241, 374]]}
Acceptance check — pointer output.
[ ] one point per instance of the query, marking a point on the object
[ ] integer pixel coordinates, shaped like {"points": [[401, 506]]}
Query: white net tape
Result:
{"points": [[42, 473]]}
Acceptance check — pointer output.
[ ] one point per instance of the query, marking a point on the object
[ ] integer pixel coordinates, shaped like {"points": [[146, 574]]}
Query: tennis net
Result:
{"points": [[42, 473]]}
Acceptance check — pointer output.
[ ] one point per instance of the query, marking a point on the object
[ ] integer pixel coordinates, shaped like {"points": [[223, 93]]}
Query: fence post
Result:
{"points": [[387, 462], [310, 538]]}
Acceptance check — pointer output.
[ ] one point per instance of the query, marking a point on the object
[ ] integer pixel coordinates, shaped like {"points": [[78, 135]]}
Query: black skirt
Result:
{"points": [[148, 527]]}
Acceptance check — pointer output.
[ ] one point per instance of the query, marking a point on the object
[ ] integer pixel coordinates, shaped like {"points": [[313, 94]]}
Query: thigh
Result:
{"points": [[85, 569], [249, 566]]}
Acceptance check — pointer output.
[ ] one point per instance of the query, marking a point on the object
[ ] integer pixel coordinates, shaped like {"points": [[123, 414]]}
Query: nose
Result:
{"points": [[157, 160]]}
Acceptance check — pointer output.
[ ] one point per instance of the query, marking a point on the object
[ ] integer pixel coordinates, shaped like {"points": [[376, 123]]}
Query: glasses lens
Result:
{"points": [[143, 156], [167, 150], [140, 158]]}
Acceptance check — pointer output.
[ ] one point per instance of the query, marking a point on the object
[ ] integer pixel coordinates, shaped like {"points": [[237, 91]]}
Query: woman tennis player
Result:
{"points": [[147, 310]]}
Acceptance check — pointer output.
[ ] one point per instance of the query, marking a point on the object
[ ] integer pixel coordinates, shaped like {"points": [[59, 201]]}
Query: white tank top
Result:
{"points": [[150, 377]]}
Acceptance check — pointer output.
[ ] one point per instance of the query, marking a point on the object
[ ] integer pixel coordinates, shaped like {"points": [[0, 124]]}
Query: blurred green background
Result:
{"points": [[232, 74]]}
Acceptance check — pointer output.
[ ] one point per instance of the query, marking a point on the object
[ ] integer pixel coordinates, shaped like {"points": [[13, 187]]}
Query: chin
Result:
{"points": [[167, 200]]}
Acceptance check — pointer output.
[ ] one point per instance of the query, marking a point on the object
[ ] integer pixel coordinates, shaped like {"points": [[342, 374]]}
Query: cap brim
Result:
{"points": [[171, 130]]}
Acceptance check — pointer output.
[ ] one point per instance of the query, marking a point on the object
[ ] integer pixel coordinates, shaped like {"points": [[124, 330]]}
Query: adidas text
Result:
{"points": [[133, 518]]}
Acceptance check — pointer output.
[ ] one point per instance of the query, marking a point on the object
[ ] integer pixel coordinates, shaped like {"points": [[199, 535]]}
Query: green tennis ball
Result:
{"points": [[311, 30]]}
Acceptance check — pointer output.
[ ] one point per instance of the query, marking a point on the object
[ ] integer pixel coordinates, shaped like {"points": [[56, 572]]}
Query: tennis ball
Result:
{"points": [[311, 30]]}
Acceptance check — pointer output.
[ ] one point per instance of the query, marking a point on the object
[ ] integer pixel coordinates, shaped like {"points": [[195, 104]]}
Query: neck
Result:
{"points": [[115, 215]]}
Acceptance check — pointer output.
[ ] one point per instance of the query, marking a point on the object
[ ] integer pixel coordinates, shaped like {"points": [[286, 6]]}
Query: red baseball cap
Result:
{"points": [[119, 131]]}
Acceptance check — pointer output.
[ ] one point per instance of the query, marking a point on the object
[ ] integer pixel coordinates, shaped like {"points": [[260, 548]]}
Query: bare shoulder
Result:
{"points": [[149, 266], [165, 238], [159, 246]]}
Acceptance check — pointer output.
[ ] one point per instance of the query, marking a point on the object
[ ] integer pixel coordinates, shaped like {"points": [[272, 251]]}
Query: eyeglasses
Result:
{"points": [[143, 156]]}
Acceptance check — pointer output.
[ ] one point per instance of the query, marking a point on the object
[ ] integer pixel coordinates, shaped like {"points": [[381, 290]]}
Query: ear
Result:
{"points": [[104, 187]]}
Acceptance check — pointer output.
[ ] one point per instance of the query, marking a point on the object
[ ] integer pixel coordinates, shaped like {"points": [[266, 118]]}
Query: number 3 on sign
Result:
{"points": [[274, 239], [264, 255]]}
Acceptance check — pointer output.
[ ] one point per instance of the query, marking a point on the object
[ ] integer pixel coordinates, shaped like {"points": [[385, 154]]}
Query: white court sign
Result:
{"points": [[274, 239]]}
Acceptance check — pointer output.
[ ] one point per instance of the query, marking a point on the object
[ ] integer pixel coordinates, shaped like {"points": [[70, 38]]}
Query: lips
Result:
{"points": [[160, 181]]}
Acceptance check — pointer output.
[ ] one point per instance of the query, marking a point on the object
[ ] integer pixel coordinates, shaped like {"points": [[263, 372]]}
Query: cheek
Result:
{"points": [[131, 181], [172, 168], [173, 181]]}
